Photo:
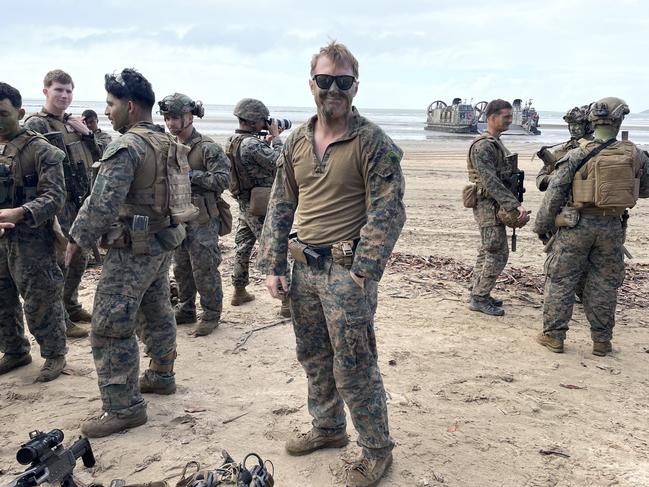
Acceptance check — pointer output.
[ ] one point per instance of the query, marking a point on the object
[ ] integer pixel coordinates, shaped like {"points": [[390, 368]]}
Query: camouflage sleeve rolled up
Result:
{"points": [[253, 149], [386, 213], [558, 192], [116, 173], [50, 191], [485, 158], [217, 176], [273, 244]]}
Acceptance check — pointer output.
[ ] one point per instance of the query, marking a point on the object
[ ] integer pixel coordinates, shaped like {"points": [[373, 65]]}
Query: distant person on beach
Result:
{"points": [[83, 148], [32, 192], [340, 178], [196, 261], [91, 120], [596, 182], [253, 159], [487, 164]]}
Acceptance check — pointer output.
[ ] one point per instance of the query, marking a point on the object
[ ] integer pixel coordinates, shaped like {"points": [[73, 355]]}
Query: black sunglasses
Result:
{"points": [[343, 82]]}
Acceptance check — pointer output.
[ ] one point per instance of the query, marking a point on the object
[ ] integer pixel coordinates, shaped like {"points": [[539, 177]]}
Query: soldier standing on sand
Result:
{"points": [[487, 165], [196, 261], [253, 166], [82, 147], [32, 191], [135, 203], [597, 182], [340, 177]]}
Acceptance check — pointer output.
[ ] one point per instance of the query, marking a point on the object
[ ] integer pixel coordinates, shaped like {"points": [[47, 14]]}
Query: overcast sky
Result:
{"points": [[561, 53]]}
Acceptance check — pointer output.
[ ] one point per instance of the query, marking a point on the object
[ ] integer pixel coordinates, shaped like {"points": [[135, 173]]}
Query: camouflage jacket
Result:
{"points": [[50, 188], [216, 177], [490, 164], [386, 212], [259, 159], [116, 173], [103, 139], [545, 174], [558, 193]]}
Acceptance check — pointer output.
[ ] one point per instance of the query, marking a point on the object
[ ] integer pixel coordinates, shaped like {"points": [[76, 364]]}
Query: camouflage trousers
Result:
{"points": [[248, 232], [196, 268], [28, 269], [333, 320], [74, 272], [593, 247], [129, 283], [492, 258]]}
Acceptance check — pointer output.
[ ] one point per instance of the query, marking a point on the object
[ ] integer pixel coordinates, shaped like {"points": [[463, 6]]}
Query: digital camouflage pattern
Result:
{"points": [[545, 173], [591, 252], [197, 260], [333, 318], [28, 267], [259, 160], [487, 158], [103, 140], [128, 282]]}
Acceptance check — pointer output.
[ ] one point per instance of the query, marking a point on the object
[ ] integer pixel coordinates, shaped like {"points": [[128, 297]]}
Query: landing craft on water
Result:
{"points": [[465, 118]]}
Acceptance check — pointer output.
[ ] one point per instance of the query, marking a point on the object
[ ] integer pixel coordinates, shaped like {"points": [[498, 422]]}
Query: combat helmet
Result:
{"points": [[608, 111], [251, 110], [576, 115], [177, 104]]}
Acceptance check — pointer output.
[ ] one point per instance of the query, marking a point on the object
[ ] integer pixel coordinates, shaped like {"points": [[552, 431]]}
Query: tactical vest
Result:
{"points": [[205, 200], [77, 150], [160, 189], [240, 183], [473, 174], [610, 179], [195, 156], [18, 176]]}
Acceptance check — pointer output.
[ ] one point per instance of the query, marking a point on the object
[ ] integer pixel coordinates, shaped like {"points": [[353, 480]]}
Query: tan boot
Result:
{"points": [[109, 423], [312, 440], [11, 362], [367, 472], [551, 343], [285, 310], [241, 296], [152, 382], [204, 328], [72, 330], [51, 369], [602, 348]]}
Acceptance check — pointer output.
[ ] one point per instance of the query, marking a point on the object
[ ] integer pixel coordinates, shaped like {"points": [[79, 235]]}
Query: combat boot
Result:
{"points": [[367, 472], [11, 362], [495, 301], [80, 315], [551, 343], [152, 382], [602, 348], [285, 310], [205, 327], [484, 305], [312, 440], [109, 423], [72, 330], [51, 369], [183, 318], [241, 296]]}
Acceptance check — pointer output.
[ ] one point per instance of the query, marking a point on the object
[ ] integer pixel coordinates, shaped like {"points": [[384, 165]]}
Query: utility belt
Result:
{"points": [[137, 236], [569, 216], [342, 253]]}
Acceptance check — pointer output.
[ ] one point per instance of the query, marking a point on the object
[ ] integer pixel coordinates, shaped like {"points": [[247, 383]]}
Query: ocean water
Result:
{"points": [[398, 124]]}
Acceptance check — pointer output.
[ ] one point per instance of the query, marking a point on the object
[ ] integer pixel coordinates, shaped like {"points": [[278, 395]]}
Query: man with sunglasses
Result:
{"points": [[340, 177]]}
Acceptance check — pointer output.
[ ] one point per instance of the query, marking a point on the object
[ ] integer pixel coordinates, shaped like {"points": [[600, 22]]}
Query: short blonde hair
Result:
{"points": [[339, 55], [59, 76]]}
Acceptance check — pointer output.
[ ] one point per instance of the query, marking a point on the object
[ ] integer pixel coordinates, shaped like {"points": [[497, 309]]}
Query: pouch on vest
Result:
{"points": [[342, 253], [6, 187], [140, 235], [470, 195], [203, 215], [225, 217], [567, 217], [171, 237], [181, 209], [296, 248], [259, 197]]}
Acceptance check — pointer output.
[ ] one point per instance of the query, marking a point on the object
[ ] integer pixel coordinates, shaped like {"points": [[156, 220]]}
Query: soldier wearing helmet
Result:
{"points": [[196, 261], [579, 128], [253, 160], [596, 182]]}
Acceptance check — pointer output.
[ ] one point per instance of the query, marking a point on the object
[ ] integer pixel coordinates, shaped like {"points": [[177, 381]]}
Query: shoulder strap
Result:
{"points": [[593, 153]]}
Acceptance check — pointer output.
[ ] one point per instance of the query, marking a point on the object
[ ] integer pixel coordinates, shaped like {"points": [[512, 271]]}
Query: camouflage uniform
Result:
{"points": [[128, 281], [28, 267], [333, 318], [259, 159], [197, 260], [487, 165], [594, 246], [103, 139], [545, 173], [44, 122]]}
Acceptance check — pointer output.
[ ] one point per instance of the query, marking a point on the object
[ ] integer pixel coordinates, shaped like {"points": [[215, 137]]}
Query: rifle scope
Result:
{"points": [[38, 446]]}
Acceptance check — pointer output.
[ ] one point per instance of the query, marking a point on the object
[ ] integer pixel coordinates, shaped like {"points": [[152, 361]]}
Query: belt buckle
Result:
{"points": [[346, 248]]}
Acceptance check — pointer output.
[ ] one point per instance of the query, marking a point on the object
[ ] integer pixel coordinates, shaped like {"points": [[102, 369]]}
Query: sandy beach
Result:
{"points": [[473, 400]]}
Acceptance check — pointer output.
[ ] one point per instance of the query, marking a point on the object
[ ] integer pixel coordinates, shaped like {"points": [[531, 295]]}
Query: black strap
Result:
{"points": [[594, 152]]}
